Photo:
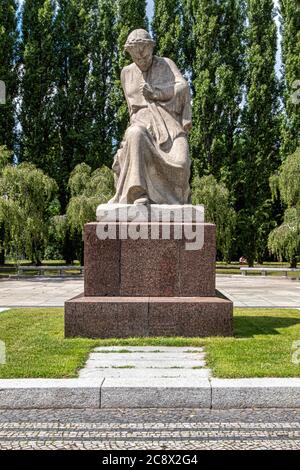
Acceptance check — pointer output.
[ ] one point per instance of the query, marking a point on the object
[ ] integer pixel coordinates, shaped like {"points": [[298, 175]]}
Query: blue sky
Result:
{"points": [[150, 8]]}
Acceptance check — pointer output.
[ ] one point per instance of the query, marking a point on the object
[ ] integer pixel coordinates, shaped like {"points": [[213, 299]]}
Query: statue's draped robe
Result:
{"points": [[153, 159]]}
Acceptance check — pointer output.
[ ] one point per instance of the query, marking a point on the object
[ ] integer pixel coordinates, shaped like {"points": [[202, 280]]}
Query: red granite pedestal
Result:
{"points": [[148, 287]]}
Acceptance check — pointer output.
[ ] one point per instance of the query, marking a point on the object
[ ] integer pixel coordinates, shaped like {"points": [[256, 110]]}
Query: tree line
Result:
{"points": [[65, 114]]}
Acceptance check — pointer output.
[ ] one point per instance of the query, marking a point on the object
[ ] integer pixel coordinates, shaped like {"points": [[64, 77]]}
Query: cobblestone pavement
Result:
{"points": [[158, 429], [244, 291]]}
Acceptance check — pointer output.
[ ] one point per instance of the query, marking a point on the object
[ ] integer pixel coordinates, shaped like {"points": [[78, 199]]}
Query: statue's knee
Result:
{"points": [[135, 132]]}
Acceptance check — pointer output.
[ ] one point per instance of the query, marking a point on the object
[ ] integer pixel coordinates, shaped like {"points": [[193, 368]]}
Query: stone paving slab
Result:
{"points": [[144, 364], [144, 359], [151, 349], [258, 291], [244, 291], [145, 356]]}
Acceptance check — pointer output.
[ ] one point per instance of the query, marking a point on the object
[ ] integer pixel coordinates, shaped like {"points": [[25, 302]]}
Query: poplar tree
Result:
{"points": [[8, 43], [38, 71], [167, 27], [259, 155], [8, 77], [188, 43], [217, 45], [100, 82], [72, 106], [290, 29]]}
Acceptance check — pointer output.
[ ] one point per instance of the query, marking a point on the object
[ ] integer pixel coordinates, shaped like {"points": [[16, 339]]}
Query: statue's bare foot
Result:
{"points": [[141, 201]]}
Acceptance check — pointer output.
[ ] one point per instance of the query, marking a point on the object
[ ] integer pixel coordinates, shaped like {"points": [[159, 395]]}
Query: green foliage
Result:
{"points": [[100, 88], [218, 210], [217, 46], [259, 144], [56, 237], [67, 113], [8, 72], [288, 180], [88, 190], [167, 26], [290, 11], [38, 61], [72, 104], [26, 194], [5, 157], [284, 240]]}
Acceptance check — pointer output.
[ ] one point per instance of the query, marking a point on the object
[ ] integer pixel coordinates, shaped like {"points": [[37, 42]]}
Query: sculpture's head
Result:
{"points": [[140, 46]]}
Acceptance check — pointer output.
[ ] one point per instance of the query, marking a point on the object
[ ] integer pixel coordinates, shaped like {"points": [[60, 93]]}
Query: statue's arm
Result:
{"points": [[167, 92], [123, 81], [179, 92]]}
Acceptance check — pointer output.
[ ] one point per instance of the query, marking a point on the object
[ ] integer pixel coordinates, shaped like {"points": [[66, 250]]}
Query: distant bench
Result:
{"points": [[244, 270], [62, 270]]}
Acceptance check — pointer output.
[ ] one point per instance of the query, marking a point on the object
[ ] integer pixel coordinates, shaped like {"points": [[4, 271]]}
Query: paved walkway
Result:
{"points": [[250, 291], [150, 429], [244, 291]]}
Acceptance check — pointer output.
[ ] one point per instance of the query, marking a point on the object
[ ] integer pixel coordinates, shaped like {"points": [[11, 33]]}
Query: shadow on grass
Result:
{"points": [[249, 326]]}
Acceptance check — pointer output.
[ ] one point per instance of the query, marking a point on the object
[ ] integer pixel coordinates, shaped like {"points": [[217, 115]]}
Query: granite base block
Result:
{"points": [[149, 267], [123, 317]]}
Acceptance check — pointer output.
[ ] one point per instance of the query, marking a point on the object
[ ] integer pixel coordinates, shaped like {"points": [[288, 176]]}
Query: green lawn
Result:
{"points": [[262, 346]]}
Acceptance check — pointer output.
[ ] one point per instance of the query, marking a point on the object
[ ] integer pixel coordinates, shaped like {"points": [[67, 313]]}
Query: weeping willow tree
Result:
{"points": [[5, 156], [8, 210], [284, 240], [27, 198], [88, 189], [218, 210]]}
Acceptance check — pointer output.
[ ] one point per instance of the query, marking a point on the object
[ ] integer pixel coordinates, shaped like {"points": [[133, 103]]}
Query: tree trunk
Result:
{"points": [[2, 250], [82, 255], [2, 256], [293, 263], [250, 261], [68, 250]]}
